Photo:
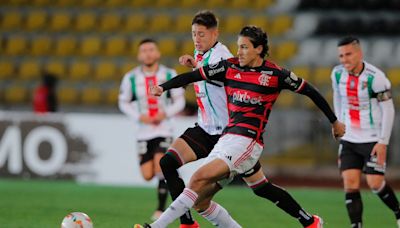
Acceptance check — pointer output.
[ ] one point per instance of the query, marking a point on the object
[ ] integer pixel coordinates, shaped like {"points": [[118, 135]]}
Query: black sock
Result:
{"points": [[169, 165], [162, 194], [283, 200], [389, 198], [354, 208]]}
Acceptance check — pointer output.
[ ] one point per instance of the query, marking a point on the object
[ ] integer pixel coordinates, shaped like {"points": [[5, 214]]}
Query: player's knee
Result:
{"points": [[147, 176], [168, 163], [198, 181], [375, 185]]}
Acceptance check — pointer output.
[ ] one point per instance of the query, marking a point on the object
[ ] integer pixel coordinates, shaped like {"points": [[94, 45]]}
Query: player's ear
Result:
{"points": [[259, 49]]}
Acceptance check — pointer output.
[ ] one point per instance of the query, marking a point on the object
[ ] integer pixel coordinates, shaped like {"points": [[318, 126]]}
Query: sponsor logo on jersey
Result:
{"points": [[290, 82], [352, 84], [264, 79], [269, 72], [246, 98], [364, 85], [214, 65], [213, 72]]}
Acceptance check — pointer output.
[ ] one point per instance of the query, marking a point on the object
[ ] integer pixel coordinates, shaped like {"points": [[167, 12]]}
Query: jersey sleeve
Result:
{"points": [[215, 71], [126, 100], [336, 95], [178, 100], [289, 80], [381, 88]]}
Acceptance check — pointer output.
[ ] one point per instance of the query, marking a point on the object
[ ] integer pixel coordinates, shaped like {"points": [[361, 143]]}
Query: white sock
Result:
{"points": [[219, 216], [183, 203]]}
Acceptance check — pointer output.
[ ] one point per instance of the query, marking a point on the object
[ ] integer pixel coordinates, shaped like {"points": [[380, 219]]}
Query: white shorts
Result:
{"points": [[238, 152]]}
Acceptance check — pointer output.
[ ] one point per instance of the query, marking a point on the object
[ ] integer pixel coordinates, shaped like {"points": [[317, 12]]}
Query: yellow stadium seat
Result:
{"points": [[68, 95], [29, 69], [64, 3], [232, 24], [140, 3], [160, 23], [65, 46], [211, 4], [60, 21], [7, 69], [80, 70], [110, 22], [190, 4], [260, 21], [16, 94], [183, 23], [281, 24], [133, 47], [18, 2], [89, 3], [286, 99], [261, 4], [11, 19], [85, 21], [181, 69], [91, 96], [322, 76], [240, 4], [302, 72], [115, 46], [187, 47], [286, 50], [126, 67], [112, 96], [36, 20], [393, 75], [135, 22], [41, 2], [41, 45], [90, 46], [115, 3], [168, 47], [15, 45], [105, 70], [166, 3], [57, 67], [233, 47]]}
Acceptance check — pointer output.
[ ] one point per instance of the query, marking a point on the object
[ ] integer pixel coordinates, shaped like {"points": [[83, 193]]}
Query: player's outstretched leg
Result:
{"points": [[387, 195]]}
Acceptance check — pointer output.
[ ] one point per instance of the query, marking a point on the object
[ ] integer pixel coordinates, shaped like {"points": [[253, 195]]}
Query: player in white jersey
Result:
{"points": [[151, 113], [362, 100]]}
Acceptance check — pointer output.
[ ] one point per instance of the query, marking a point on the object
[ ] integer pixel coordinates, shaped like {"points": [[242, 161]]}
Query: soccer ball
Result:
{"points": [[77, 220]]}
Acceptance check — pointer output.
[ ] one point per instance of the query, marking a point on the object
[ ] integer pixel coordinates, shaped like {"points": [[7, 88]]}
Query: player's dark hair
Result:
{"points": [[147, 40], [257, 37], [348, 40], [205, 18]]}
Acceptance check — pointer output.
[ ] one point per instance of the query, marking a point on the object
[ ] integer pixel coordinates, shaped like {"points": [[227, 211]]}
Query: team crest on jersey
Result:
{"points": [[264, 79], [237, 76], [364, 85], [352, 84]]}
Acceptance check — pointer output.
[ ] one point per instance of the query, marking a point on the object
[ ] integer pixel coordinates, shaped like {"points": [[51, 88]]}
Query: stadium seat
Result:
{"points": [[60, 21], [41, 3], [15, 94], [89, 3], [15, 45], [133, 47], [90, 46], [11, 19], [29, 69], [68, 95], [190, 4], [232, 24], [66, 3], [212, 4], [261, 4], [80, 70], [36, 19], [135, 22], [166, 3], [115, 46], [65, 46], [112, 96], [181, 69], [239, 4], [126, 67], [302, 72], [56, 67], [187, 47], [233, 47], [285, 99], [91, 96], [285, 50], [168, 47], [259, 20], [160, 23], [183, 23], [322, 76], [41, 45], [140, 3], [110, 22], [7, 69], [105, 70], [85, 21], [393, 75], [280, 24], [115, 3]]}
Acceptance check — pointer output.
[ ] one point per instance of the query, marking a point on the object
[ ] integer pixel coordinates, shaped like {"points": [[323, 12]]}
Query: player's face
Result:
{"points": [[350, 56], [248, 55], [203, 38], [148, 54]]}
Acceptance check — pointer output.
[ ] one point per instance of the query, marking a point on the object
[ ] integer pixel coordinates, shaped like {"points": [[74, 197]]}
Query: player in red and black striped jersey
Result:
{"points": [[252, 86]]}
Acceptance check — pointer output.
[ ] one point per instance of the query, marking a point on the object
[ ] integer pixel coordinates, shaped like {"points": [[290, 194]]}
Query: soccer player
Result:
{"points": [[151, 113], [252, 85], [363, 101]]}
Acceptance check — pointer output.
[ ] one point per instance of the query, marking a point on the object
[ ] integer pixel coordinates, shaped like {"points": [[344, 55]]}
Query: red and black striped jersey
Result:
{"points": [[251, 93]]}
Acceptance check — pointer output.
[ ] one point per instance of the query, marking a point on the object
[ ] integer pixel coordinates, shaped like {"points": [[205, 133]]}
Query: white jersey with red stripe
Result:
{"points": [[134, 100], [356, 104], [211, 99]]}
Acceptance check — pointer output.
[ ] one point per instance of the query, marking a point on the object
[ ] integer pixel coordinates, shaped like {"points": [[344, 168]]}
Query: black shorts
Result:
{"points": [[147, 148], [200, 141], [358, 156]]}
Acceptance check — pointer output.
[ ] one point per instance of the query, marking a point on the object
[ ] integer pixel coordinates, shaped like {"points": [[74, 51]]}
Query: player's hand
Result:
{"points": [[157, 119], [379, 151], [338, 129], [146, 119], [187, 60], [156, 90]]}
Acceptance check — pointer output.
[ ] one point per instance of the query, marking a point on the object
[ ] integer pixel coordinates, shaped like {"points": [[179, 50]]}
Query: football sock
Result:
{"points": [[219, 216], [170, 163], [162, 192], [283, 200], [354, 208], [184, 202], [387, 195]]}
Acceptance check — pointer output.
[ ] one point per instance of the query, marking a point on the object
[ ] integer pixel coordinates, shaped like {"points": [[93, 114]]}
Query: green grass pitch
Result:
{"points": [[43, 204]]}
